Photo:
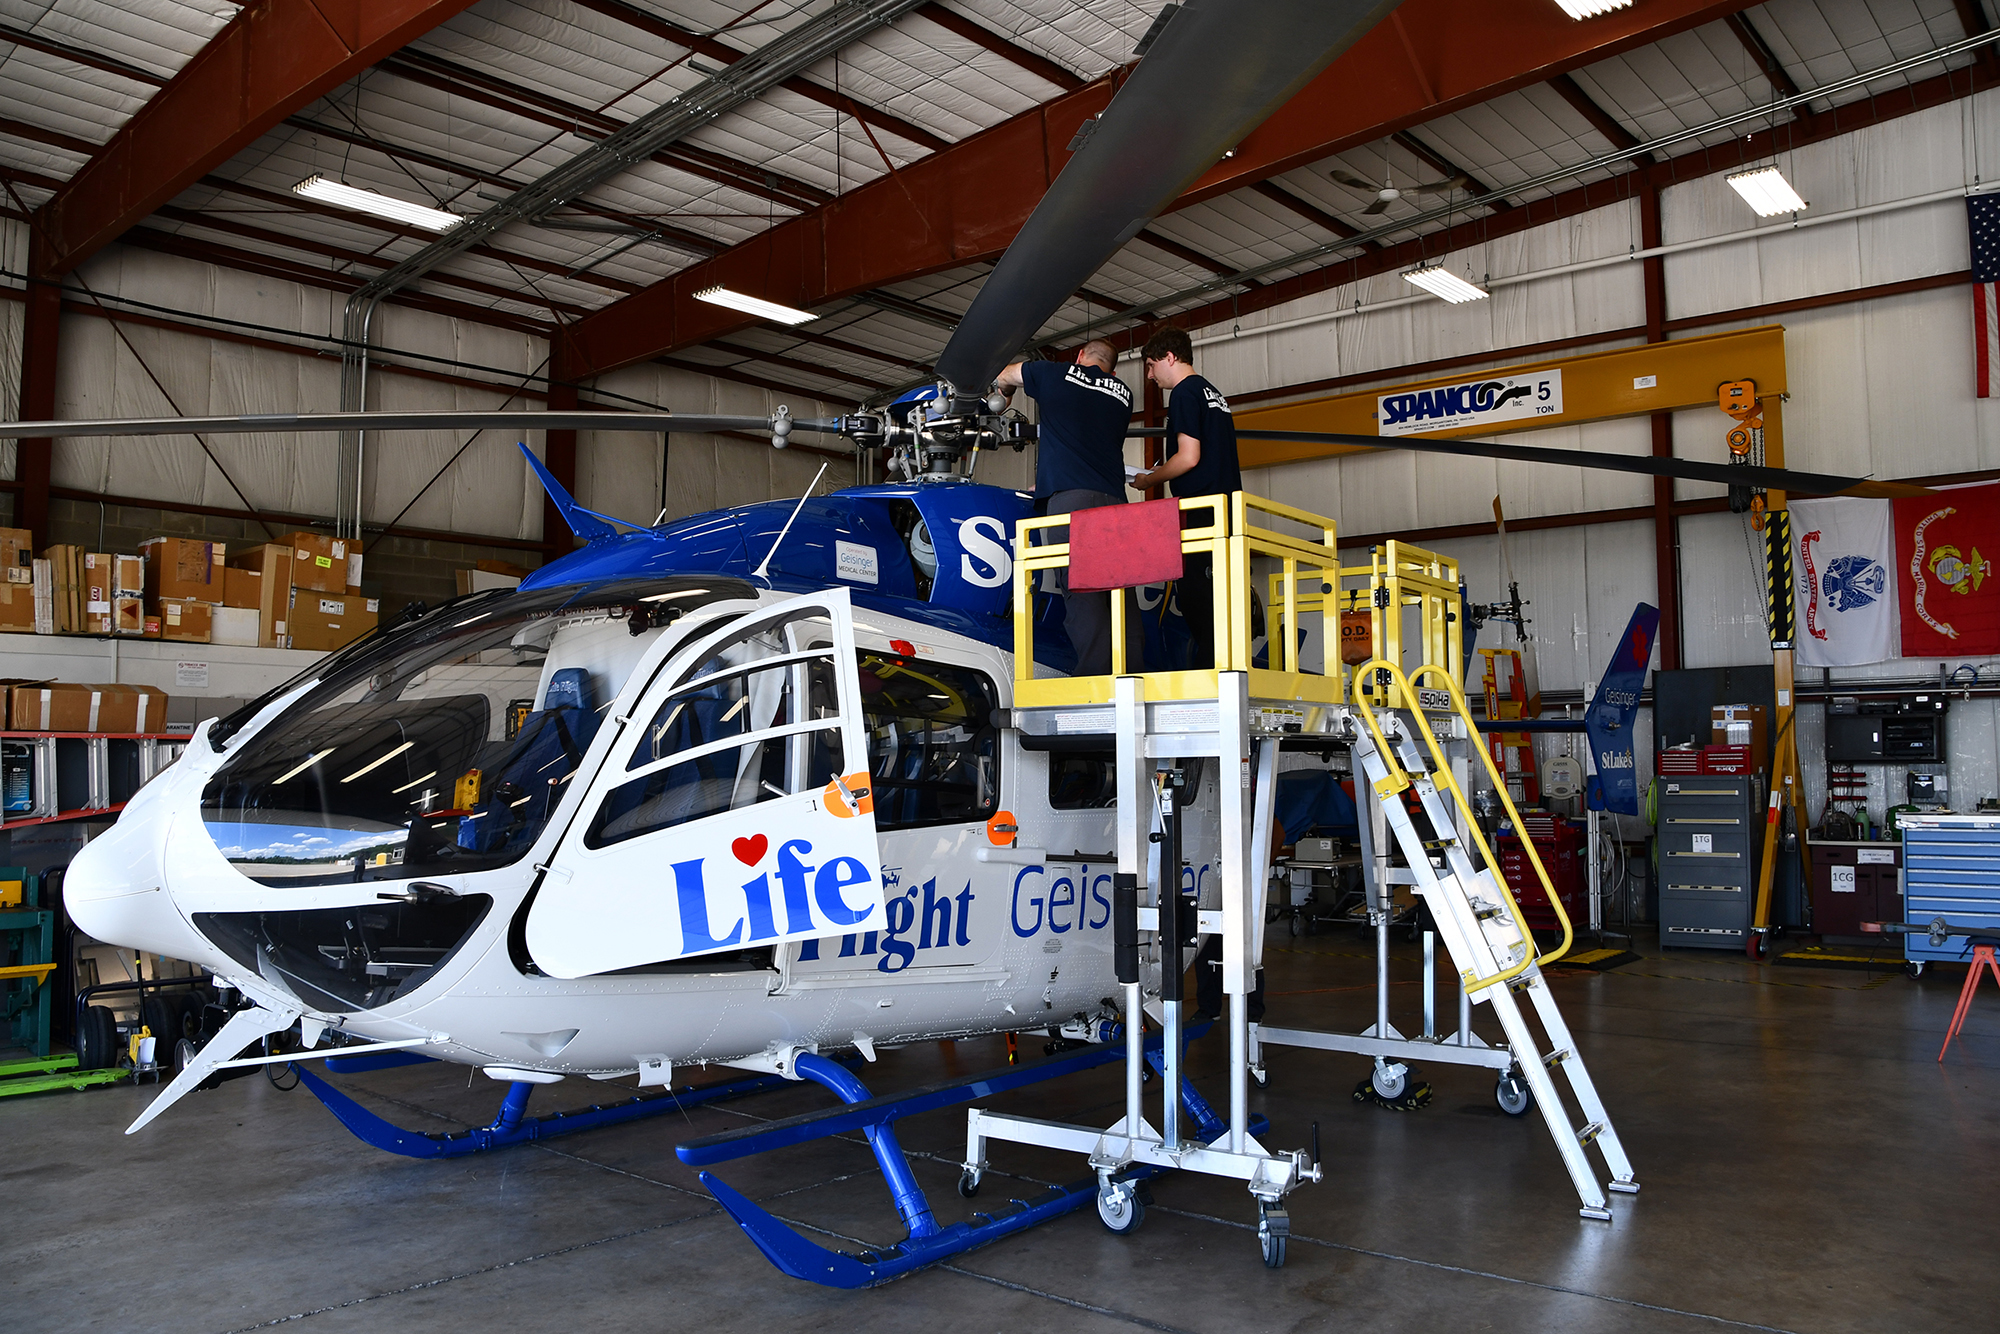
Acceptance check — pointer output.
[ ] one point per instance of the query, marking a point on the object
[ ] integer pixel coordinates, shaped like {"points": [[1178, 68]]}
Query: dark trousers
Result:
{"points": [[1087, 616], [1195, 594]]}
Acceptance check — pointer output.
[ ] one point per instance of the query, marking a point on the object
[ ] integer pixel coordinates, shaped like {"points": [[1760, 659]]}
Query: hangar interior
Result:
{"points": [[1809, 1159]]}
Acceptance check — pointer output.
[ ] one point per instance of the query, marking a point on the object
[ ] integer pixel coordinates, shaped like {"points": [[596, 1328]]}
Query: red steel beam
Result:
{"points": [[270, 60], [39, 339], [967, 202]]}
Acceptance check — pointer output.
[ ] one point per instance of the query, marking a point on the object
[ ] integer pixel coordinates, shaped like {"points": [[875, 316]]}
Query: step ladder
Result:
{"points": [[1507, 697], [1481, 926]]}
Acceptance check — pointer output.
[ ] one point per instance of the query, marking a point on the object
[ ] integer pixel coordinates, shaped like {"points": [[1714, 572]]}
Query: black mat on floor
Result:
{"points": [[1597, 961], [1857, 957]]}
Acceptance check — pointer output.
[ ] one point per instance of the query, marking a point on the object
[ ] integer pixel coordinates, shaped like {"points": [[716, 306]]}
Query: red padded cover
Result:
{"points": [[1122, 546]]}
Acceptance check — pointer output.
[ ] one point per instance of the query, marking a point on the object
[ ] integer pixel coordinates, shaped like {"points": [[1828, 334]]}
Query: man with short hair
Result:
{"points": [[1080, 465], [1200, 461]]}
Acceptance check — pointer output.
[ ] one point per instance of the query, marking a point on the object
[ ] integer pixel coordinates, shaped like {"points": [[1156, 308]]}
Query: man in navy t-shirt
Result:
{"points": [[1080, 465], [1200, 461]]}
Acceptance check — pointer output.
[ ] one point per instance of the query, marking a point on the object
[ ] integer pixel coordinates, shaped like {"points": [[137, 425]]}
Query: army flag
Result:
{"points": [[1950, 601], [1843, 558]]}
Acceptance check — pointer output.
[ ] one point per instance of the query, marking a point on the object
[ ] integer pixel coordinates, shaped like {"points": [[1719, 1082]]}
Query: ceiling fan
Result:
{"points": [[1388, 192]]}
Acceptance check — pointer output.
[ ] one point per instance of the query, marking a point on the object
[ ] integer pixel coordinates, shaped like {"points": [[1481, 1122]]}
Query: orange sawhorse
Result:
{"points": [[1982, 956]]}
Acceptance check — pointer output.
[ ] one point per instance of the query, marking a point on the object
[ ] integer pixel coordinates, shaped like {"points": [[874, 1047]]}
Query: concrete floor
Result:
{"points": [[1807, 1165]]}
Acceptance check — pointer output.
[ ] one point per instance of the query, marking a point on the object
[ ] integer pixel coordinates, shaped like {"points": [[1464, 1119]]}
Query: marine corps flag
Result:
{"points": [[1844, 594], [1950, 599]]}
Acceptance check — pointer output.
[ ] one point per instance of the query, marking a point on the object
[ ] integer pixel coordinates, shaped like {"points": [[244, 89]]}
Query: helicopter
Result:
{"points": [[733, 790]]}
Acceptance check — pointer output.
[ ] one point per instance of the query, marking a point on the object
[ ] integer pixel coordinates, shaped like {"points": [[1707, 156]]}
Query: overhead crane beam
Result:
{"points": [[967, 202]]}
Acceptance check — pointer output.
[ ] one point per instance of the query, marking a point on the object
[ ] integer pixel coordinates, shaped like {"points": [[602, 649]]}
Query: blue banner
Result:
{"points": [[1608, 720]]}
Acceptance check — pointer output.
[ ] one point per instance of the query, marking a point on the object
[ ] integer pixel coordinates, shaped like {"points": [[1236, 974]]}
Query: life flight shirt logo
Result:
{"points": [[1471, 403]]}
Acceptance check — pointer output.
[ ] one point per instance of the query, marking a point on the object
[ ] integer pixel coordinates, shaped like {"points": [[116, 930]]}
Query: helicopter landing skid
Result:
{"points": [[511, 1126], [928, 1241]]}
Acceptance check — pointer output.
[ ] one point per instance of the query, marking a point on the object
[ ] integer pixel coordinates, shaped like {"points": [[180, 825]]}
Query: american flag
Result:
{"points": [[1982, 215]]}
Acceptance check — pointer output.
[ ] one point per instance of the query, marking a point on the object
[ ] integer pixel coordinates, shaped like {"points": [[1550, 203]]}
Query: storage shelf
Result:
{"points": [[86, 813]]}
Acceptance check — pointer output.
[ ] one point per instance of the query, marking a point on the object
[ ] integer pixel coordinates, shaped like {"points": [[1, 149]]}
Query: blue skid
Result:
{"points": [[928, 1242], [510, 1126]]}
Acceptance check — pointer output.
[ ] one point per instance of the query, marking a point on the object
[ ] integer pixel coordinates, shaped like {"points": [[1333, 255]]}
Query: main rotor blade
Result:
{"points": [[527, 419], [1688, 470], [1212, 75]]}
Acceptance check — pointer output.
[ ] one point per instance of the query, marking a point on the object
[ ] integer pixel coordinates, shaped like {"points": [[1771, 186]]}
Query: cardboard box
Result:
{"points": [[243, 589], [128, 615], [17, 609], [240, 626], [179, 569], [17, 556], [97, 592], [319, 563], [185, 620], [273, 563], [478, 581], [128, 576], [321, 624], [128, 708], [1741, 725], [66, 571], [152, 630], [7, 685], [45, 598], [52, 706]]}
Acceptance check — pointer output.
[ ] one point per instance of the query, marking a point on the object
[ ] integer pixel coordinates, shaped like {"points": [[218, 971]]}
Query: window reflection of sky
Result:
{"points": [[298, 843]]}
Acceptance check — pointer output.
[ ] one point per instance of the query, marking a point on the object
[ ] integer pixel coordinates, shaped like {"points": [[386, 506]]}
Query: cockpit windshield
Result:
{"points": [[446, 746]]}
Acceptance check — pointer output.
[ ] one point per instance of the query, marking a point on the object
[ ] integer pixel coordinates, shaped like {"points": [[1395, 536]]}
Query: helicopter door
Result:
{"points": [[733, 810]]}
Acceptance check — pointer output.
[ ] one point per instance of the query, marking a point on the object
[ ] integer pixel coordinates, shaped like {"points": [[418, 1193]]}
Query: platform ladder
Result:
{"points": [[1482, 927], [1159, 721]]}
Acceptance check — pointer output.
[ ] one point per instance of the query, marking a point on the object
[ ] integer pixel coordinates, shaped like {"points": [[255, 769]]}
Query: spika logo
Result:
{"points": [[1472, 403], [1956, 572], [1853, 582]]}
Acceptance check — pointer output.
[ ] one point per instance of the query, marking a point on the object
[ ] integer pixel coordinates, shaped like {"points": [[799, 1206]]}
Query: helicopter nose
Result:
{"points": [[116, 892]]}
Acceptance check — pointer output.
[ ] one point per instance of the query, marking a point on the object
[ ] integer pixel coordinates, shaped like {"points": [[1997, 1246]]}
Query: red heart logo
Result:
{"points": [[750, 851]]}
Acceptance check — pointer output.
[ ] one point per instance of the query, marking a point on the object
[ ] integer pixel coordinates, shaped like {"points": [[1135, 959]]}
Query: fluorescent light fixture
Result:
{"points": [[382, 206], [381, 759], [1441, 282], [413, 782], [1766, 190], [303, 765], [1590, 9], [752, 305]]}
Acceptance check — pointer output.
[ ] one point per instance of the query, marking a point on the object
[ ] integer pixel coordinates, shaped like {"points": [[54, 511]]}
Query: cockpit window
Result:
{"points": [[445, 746]]}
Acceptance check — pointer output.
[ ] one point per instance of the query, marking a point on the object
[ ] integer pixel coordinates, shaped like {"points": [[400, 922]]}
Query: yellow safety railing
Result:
{"points": [[1398, 577], [1232, 539], [1397, 780]]}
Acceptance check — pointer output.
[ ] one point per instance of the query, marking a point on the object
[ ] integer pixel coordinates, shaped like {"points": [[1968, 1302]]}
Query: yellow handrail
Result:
{"points": [[1464, 711], [1398, 780]]}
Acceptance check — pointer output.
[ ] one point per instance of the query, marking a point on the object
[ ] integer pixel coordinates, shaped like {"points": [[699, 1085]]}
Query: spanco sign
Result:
{"points": [[1475, 403]]}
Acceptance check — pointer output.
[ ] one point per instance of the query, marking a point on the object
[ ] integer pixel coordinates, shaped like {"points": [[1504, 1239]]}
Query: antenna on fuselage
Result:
{"points": [[788, 522]]}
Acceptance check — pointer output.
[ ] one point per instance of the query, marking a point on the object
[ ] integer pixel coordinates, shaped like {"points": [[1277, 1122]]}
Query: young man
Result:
{"points": [[1080, 465], [1200, 461]]}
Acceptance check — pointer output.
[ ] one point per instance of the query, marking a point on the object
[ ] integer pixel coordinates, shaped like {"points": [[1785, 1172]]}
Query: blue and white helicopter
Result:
{"points": [[733, 790]]}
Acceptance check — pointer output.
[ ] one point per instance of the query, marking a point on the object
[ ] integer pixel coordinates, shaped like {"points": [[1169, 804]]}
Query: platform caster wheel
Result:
{"points": [[1119, 1208], [1262, 1075], [968, 1184], [1512, 1094], [1758, 947], [1274, 1227], [1914, 968], [1298, 927], [1390, 1079]]}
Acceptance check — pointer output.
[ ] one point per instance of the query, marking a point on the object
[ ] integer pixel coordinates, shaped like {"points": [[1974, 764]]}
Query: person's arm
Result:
{"points": [[1009, 378], [1185, 457]]}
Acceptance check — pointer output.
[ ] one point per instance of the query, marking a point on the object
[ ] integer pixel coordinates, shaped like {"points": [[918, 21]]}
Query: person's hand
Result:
{"points": [[1141, 481]]}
